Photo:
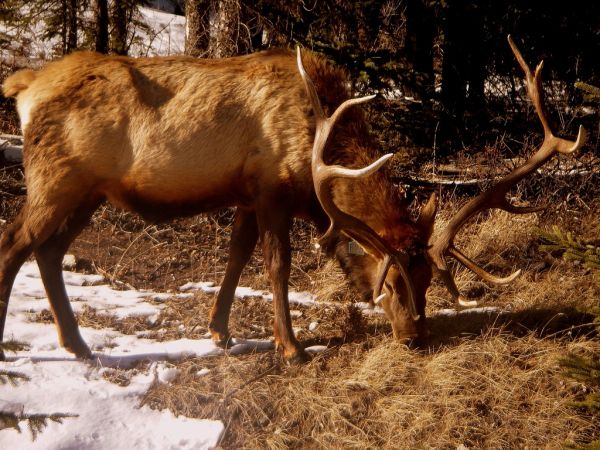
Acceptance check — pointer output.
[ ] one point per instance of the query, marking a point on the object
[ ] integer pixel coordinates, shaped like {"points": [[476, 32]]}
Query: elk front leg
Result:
{"points": [[274, 225], [49, 257], [243, 240]]}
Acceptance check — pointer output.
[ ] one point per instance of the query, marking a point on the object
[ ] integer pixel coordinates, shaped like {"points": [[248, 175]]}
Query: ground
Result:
{"points": [[486, 379]]}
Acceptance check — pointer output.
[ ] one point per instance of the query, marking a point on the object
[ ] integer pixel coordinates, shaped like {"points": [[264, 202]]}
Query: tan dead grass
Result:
{"points": [[328, 283], [496, 391]]}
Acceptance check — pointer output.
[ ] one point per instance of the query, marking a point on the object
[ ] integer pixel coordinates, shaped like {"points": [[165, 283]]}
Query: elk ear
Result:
{"points": [[426, 219]]}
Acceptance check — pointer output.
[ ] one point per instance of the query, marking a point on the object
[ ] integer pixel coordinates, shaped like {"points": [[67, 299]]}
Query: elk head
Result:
{"points": [[394, 284], [403, 276]]}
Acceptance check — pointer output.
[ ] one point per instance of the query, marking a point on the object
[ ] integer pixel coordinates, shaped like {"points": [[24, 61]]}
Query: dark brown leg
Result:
{"points": [[35, 223], [274, 225], [49, 257], [15, 247], [243, 240]]}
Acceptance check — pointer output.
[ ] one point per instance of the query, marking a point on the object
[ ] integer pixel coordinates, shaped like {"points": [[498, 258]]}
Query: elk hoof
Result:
{"points": [[79, 348], [297, 358], [222, 340]]}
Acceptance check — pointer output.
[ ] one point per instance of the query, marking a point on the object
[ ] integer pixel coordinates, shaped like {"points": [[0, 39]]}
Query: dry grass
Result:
{"points": [[496, 391]]}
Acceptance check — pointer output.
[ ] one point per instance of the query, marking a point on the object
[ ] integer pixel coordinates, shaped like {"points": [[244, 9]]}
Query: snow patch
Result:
{"points": [[108, 415], [165, 374], [241, 292], [477, 310]]}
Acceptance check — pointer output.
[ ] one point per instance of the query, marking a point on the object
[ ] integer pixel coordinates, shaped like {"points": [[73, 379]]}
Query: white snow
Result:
{"points": [[108, 415], [477, 310], [166, 38], [203, 371], [299, 298], [165, 373], [316, 348]]}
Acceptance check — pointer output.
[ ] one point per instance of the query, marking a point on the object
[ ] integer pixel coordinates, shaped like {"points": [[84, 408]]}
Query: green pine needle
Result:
{"points": [[573, 248]]}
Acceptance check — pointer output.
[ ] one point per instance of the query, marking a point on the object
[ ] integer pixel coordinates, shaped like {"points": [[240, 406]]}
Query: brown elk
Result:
{"points": [[177, 136]]}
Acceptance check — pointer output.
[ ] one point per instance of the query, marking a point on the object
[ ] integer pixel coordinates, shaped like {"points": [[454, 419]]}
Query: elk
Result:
{"points": [[174, 136]]}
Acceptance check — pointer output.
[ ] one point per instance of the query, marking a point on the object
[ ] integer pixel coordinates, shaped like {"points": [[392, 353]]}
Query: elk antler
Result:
{"points": [[323, 175], [495, 197]]}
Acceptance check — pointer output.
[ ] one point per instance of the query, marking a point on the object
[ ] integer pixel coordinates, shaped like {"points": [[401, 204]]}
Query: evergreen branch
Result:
{"points": [[573, 248], [584, 370], [587, 372], [7, 376], [9, 420], [13, 346], [591, 404], [35, 422], [592, 91]]}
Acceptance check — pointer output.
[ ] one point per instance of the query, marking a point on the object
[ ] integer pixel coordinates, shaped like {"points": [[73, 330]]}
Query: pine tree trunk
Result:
{"points": [[477, 68], [463, 63], [196, 13], [454, 82], [119, 21], [101, 26], [64, 27], [420, 32], [224, 23], [72, 36]]}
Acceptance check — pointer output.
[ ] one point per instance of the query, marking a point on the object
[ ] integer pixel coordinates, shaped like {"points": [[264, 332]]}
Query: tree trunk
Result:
{"points": [[196, 27], [72, 36], [463, 63], [101, 26], [224, 23], [64, 27], [119, 21], [477, 68], [454, 84], [420, 32]]}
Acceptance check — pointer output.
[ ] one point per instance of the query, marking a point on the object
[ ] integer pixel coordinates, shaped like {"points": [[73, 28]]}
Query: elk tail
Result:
{"points": [[18, 82]]}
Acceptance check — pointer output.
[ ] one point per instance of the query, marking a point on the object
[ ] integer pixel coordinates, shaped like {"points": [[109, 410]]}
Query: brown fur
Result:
{"points": [[177, 135]]}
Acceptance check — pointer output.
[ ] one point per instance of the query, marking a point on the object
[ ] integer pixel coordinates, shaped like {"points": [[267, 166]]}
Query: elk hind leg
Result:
{"points": [[49, 256], [15, 246], [243, 241], [37, 220]]}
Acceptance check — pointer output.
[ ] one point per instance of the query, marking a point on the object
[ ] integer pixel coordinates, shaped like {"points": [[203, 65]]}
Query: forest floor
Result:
{"points": [[487, 379]]}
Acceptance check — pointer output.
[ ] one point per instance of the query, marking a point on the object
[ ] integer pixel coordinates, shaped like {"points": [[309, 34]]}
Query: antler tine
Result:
{"points": [[471, 265], [495, 197], [323, 175], [534, 85]]}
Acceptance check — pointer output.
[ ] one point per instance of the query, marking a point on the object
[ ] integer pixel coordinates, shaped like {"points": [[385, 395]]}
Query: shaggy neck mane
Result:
{"points": [[374, 199]]}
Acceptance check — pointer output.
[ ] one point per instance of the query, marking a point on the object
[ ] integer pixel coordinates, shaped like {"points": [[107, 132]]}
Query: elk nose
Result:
{"points": [[415, 340]]}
